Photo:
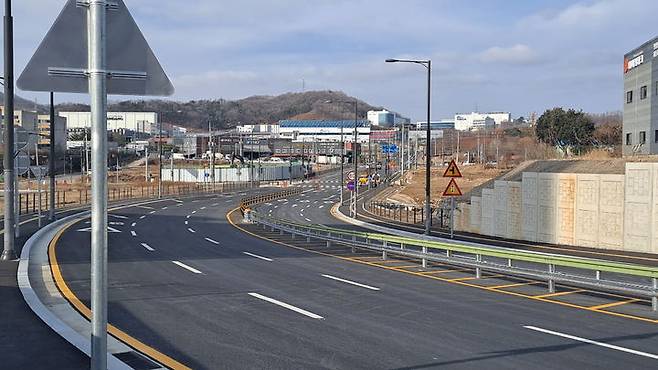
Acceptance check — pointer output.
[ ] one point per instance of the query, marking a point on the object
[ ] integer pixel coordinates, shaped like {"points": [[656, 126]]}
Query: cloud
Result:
{"points": [[518, 54]]}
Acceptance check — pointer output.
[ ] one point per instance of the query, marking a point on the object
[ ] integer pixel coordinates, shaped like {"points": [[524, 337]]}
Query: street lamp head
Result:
{"points": [[392, 60]]}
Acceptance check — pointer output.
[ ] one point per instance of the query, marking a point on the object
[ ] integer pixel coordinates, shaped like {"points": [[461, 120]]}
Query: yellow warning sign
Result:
{"points": [[452, 190], [452, 170]]}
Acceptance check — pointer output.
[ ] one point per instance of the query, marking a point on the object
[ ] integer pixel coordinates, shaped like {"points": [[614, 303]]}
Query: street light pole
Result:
{"points": [[160, 158], [355, 156], [342, 163], [8, 252], [51, 162], [428, 154]]}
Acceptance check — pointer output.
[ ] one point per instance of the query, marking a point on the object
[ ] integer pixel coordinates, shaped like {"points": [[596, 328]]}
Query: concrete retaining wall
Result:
{"points": [[599, 211]]}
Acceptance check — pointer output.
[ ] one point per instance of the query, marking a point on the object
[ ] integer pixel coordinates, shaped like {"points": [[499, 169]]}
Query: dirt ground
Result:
{"points": [[414, 190]]}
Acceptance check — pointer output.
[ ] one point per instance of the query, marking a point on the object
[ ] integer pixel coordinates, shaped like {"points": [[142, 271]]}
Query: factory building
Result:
{"points": [[640, 129], [140, 122]]}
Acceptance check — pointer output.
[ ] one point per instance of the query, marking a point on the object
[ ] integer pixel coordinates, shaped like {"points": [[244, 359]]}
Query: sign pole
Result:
{"points": [[452, 217], [8, 252], [98, 93]]}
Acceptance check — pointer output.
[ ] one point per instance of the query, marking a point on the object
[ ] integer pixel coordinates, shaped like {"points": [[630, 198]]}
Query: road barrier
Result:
{"points": [[536, 265]]}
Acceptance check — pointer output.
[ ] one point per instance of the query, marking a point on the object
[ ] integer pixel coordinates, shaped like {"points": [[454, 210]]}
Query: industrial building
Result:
{"points": [[327, 131], [640, 129], [140, 122], [480, 121], [444, 124], [381, 118], [61, 134]]}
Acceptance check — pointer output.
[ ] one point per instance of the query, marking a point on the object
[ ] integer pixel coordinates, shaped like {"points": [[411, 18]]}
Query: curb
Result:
{"points": [[40, 240]]}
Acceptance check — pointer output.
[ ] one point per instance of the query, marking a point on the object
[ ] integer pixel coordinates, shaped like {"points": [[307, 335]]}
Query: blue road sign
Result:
{"points": [[389, 148], [350, 186]]}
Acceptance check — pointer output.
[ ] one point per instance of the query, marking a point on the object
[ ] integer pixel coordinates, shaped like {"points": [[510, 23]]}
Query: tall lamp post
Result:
{"points": [[428, 154], [354, 152], [8, 252]]}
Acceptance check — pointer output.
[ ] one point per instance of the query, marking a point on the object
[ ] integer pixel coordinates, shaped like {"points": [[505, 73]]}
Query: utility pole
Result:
{"points": [[8, 252], [355, 157], [251, 160], [146, 166], [211, 163], [52, 159], [39, 177], [160, 159], [342, 163]]}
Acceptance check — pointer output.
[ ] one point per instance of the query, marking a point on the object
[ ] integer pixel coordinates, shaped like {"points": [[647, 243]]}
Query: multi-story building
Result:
{"points": [[28, 122], [477, 121], [444, 124], [61, 134], [381, 118], [140, 122], [640, 129], [324, 130]]}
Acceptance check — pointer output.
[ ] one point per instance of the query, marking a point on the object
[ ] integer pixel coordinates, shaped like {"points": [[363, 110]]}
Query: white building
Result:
{"points": [[325, 131], [381, 118], [145, 122], [273, 130], [477, 121]]}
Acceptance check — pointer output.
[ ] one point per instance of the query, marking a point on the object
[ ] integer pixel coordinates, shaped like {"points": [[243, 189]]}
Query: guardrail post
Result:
{"points": [[478, 270], [353, 244], [551, 282], [401, 246], [510, 263], [308, 239], [654, 299], [424, 260], [598, 275], [384, 246]]}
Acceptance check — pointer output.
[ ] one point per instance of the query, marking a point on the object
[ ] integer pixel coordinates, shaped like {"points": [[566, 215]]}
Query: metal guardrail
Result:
{"points": [[492, 259], [246, 203]]}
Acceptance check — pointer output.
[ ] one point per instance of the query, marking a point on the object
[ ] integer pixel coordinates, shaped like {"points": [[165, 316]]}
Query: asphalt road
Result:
{"points": [[185, 281]]}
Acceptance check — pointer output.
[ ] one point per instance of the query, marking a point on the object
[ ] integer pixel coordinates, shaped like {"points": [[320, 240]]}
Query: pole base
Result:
{"points": [[8, 255]]}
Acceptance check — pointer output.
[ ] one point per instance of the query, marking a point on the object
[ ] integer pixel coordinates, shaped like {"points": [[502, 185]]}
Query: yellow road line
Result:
{"points": [[613, 304], [404, 266], [559, 294], [444, 271], [514, 285], [421, 274], [86, 312], [475, 278]]}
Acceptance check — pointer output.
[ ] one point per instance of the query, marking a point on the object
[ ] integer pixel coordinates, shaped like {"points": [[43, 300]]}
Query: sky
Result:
{"points": [[519, 56]]}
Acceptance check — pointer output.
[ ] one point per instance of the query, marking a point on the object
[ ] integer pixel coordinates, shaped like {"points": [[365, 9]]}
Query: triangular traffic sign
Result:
{"points": [[60, 63], [452, 170], [452, 190]]}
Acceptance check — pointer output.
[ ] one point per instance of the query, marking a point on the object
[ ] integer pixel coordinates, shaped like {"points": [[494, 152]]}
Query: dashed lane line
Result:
{"points": [[186, 267], [191, 230], [147, 247], [287, 306], [350, 282], [212, 241], [259, 257], [133, 233], [133, 224], [142, 217], [593, 342]]}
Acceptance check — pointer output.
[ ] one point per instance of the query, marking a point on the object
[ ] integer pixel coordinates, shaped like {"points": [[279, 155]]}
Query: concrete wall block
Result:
{"points": [[638, 207], [486, 225], [611, 211], [654, 228], [529, 205], [514, 210], [547, 186], [500, 213], [587, 210], [476, 214], [566, 208]]}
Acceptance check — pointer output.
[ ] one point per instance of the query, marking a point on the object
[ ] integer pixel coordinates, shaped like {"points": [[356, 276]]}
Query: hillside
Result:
{"points": [[256, 109]]}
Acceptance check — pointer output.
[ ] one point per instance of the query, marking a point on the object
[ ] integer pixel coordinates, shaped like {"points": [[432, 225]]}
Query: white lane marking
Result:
{"points": [[350, 282], [165, 207], [178, 201], [193, 212], [186, 267], [142, 217], [202, 208], [179, 204], [259, 257], [147, 247], [322, 206], [589, 341], [308, 220], [288, 306], [187, 222], [188, 216], [294, 205], [152, 212], [133, 224], [215, 204], [191, 230], [133, 233], [119, 216], [145, 207], [195, 201], [212, 241]]}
